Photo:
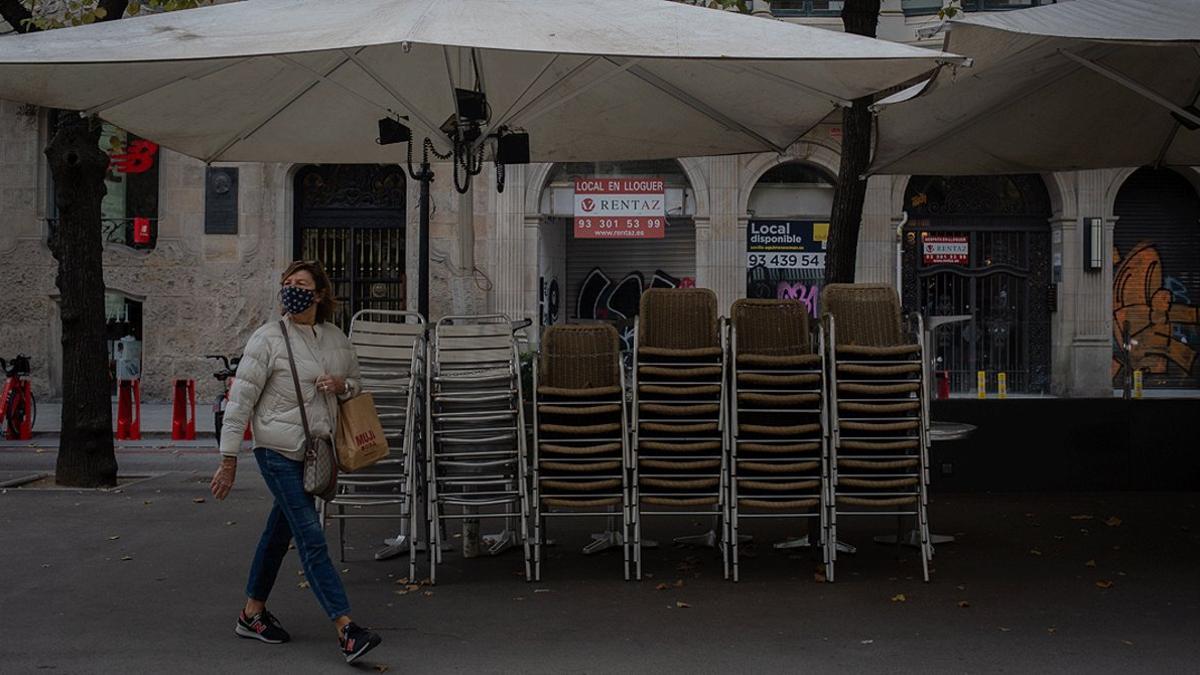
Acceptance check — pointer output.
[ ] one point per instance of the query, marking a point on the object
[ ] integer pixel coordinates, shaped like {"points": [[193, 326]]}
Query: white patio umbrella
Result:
{"points": [[1074, 85], [308, 80]]}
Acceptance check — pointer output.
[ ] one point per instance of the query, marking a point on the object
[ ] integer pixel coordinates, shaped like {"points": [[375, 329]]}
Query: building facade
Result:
{"points": [[1056, 271]]}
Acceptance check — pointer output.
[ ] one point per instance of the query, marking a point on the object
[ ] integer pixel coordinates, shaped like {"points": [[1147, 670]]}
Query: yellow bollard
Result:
{"points": [[981, 386], [1137, 383], [1002, 385]]}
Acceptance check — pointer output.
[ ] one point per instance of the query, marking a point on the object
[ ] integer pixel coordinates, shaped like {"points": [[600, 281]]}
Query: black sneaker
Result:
{"points": [[356, 641], [262, 626]]}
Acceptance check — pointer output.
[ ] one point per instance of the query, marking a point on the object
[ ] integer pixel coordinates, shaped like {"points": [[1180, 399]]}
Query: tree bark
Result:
{"points": [[861, 18], [85, 454]]}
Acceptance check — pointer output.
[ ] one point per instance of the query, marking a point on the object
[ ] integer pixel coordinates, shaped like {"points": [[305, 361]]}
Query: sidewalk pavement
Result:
{"points": [[149, 578]]}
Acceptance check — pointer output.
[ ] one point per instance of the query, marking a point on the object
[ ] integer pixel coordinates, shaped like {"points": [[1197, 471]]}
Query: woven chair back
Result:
{"points": [[865, 315], [679, 318], [772, 327], [580, 357]]}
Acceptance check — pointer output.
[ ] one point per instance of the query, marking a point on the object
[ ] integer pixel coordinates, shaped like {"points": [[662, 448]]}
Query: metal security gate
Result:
{"points": [[1156, 280], [351, 218], [980, 246]]}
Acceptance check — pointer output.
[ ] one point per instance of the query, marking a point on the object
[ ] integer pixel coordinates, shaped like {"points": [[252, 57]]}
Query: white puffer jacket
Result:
{"points": [[263, 393]]}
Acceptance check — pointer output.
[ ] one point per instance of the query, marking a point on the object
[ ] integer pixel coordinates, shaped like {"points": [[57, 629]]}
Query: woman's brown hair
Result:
{"points": [[327, 304]]}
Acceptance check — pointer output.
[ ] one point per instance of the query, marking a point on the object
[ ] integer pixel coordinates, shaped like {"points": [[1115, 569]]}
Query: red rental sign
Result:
{"points": [[945, 249], [620, 208]]}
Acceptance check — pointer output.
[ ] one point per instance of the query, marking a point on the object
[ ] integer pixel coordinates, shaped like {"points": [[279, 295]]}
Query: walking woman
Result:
{"points": [[264, 395]]}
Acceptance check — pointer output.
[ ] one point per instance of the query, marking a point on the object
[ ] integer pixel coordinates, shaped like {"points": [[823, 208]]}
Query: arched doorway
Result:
{"points": [[980, 246], [351, 217], [588, 279], [1156, 280], [787, 233]]}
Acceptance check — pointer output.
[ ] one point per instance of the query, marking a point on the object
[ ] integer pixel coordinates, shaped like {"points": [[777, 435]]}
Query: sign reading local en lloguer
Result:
{"points": [[620, 208], [945, 249]]}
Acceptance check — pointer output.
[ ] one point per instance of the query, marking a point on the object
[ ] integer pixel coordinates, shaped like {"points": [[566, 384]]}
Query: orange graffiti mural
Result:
{"points": [[1141, 298]]}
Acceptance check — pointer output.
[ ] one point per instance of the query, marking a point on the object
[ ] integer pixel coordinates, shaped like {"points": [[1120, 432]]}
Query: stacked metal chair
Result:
{"points": [[391, 356], [476, 421], [778, 423], [580, 447], [680, 458], [880, 417]]}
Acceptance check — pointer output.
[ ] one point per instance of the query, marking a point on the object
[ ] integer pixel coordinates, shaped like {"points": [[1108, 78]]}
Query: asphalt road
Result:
{"points": [[145, 579]]}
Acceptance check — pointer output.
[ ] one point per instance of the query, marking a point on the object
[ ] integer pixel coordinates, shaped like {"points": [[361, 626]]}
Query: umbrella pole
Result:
{"points": [[425, 175]]}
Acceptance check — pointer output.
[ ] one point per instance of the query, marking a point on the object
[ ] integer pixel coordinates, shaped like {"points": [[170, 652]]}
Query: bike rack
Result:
{"points": [[183, 411], [129, 410]]}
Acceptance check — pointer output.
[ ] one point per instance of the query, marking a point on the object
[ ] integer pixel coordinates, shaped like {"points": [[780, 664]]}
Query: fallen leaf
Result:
{"points": [[1004, 630], [1104, 583], [681, 604], [866, 642], [1127, 642], [542, 590], [519, 597], [381, 667], [429, 594], [819, 577], [1122, 574], [114, 537], [126, 557], [400, 592], [1082, 516], [1034, 551], [147, 503], [1113, 521], [412, 587], [230, 522], [679, 583], [198, 500], [961, 587], [662, 587], [964, 604], [345, 570], [1051, 630], [899, 597], [1090, 563], [302, 584]]}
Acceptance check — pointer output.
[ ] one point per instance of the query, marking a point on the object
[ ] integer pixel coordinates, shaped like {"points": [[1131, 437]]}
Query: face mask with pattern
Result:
{"points": [[295, 299]]}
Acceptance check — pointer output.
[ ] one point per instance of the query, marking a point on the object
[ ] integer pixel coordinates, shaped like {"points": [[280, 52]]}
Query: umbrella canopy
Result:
{"points": [[1075, 85], [308, 80]]}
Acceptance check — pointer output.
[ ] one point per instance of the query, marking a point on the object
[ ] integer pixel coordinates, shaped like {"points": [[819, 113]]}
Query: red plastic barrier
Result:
{"points": [[183, 411], [943, 384], [129, 410]]}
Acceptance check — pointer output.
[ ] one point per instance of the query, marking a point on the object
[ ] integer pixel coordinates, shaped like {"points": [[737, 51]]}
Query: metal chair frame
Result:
{"points": [[476, 427], [397, 385], [737, 440], [840, 473], [543, 511], [719, 493]]}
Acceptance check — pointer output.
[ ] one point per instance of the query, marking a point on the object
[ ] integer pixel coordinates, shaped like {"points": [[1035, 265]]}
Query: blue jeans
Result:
{"points": [[293, 516]]}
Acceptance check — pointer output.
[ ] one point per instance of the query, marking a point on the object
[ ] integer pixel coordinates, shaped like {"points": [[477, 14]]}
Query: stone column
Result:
{"points": [[1091, 343], [721, 238], [508, 259], [876, 259]]}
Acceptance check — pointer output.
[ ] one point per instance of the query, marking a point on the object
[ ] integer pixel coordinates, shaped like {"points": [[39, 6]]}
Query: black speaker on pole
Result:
{"points": [[512, 148], [392, 131]]}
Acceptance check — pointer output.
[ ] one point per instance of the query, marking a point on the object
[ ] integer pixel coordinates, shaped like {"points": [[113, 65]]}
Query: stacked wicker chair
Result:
{"points": [[391, 355], [581, 445], [879, 455], [779, 445], [680, 460], [476, 422]]}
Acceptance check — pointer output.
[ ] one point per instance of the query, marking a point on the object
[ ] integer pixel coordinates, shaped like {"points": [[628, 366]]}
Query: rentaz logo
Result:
{"points": [[588, 204]]}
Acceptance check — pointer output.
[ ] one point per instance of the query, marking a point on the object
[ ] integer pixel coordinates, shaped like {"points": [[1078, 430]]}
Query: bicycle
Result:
{"points": [[20, 409], [225, 376]]}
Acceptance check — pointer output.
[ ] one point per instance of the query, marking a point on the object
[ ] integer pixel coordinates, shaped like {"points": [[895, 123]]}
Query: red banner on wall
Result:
{"points": [[620, 208]]}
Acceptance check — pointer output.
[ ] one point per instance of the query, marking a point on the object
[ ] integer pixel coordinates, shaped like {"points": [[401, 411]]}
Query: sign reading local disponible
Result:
{"points": [[942, 249], [786, 244], [785, 260], [620, 208]]}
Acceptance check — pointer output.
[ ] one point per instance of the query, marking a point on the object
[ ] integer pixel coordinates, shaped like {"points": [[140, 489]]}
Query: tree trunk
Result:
{"points": [[85, 454], [859, 17]]}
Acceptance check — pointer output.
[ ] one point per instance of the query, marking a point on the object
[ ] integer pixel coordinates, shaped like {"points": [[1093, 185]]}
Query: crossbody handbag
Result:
{"points": [[320, 465]]}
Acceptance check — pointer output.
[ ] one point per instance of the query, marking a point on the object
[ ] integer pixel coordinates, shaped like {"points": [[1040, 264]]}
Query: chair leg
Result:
{"points": [[342, 531]]}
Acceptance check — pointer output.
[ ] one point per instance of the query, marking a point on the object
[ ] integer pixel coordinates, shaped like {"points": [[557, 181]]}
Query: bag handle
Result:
{"points": [[296, 381]]}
